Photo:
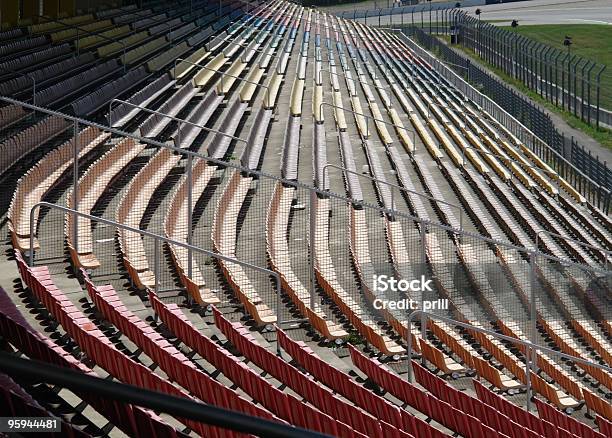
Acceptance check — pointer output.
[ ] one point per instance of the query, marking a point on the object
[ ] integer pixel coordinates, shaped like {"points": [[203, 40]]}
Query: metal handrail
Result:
{"points": [[80, 383], [603, 251], [528, 344], [176, 119], [404, 189], [97, 34], [157, 238], [291, 183]]}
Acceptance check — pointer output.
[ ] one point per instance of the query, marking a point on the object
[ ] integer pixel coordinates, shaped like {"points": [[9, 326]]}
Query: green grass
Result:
{"points": [[602, 136], [591, 41]]}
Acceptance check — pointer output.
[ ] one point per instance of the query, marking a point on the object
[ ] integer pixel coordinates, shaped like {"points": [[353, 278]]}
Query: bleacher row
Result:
{"points": [[428, 104]]}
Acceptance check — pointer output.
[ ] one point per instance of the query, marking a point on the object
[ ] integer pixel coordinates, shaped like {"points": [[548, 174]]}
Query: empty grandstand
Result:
{"points": [[289, 215]]}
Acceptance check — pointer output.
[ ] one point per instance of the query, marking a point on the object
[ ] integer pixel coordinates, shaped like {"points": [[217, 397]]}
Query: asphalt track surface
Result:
{"points": [[549, 12], [526, 12]]}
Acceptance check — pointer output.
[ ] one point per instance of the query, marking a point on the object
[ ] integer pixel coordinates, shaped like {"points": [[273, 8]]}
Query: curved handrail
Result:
{"points": [[395, 186]]}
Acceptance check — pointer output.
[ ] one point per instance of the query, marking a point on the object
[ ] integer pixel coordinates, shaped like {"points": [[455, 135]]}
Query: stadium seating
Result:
{"points": [[285, 78], [130, 419]]}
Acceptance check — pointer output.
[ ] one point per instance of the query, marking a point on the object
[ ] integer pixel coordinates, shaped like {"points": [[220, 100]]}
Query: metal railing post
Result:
{"points": [[156, 264], [531, 353], [75, 184], [279, 305], [598, 85], [313, 224], [189, 212]]}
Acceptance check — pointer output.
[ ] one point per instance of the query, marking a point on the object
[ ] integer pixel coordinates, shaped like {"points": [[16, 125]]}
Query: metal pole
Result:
{"points": [[589, 93], [424, 271], [557, 77], [598, 93], [156, 264], [313, 219], [189, 213], [75, 185], [409, 375], [582, 87], [570, 64], [576, 87], [534, 330]]}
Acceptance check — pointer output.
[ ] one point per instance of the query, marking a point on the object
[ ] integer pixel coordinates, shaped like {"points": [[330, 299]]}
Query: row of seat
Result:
{"points": [[48, 26], [565, 422], [22, 45], [510, 410], [88, 28], [76, 83], [129, 418], [439, 409], [24, 142], [11, 114], [95, 344], [223, 236], [92, 102], [123, 113], [45, 74], [344, 385], [90, 187], [286, 406], [177, 366], [110, 13], [252, 154], [38, 181], [303, 385], [131, 210], [24, 62], [462, 401], [277, 223], [176, 228]]}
